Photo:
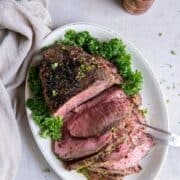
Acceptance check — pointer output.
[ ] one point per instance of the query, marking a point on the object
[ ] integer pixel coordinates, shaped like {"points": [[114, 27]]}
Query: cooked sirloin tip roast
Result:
{"points": [[101, 130], [70, 76]]}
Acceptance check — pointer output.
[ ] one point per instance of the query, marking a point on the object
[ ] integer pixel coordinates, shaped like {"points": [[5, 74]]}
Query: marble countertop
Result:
{"points": [[156, 34]]}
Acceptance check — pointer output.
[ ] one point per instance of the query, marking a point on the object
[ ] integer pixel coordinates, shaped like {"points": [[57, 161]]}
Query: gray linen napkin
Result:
{"points": [[23, 25]]}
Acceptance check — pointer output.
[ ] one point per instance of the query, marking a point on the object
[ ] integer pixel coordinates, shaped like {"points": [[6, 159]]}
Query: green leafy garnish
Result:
{"points": [[132, 80], [37, 106], [34, 82], [49, 126], [113, 50], [108, 50]]}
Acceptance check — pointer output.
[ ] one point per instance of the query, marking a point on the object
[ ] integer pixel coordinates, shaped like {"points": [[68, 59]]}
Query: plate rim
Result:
{"points": [[145, 63]]}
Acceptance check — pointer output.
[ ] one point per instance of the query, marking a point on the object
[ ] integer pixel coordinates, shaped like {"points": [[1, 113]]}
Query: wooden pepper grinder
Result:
{"points": [[137, 6]]}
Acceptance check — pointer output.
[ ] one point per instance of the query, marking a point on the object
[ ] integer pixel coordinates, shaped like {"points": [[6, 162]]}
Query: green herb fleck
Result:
{"points": [[82, 66], [54, 93], [173, 52], [167, 101], [85, 172], [54, 65], [47, 170], [144, 111], [113, 129], [178, 94], [160, 34], [85, 68]]}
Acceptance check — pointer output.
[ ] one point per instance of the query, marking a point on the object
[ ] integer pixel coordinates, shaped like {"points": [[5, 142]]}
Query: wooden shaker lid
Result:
{"points": [[137, 6]]}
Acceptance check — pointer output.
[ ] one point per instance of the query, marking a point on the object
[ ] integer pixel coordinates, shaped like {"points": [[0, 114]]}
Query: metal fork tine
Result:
{"points": [[156, 129]]}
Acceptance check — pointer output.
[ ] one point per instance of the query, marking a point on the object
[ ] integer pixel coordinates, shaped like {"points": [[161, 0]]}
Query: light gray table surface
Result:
{"points": [[143, 31]]}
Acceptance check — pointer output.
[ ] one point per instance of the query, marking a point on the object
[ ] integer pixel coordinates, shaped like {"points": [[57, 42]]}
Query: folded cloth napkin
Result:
{"points": [[23, 25]]}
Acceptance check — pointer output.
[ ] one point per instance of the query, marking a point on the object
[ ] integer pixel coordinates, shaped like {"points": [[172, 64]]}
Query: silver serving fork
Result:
{"points": [[163, 135]]}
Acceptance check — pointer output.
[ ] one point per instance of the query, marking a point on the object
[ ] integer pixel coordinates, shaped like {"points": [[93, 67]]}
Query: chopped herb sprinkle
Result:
{"points": [[54, 65], [173, 52], [47, 170], [167, 101], [160, 34], [144, 111], [85, 172], [54, 93]]}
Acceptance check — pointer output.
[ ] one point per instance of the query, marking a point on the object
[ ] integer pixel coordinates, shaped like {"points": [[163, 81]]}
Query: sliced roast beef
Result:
{"points": [[100, 113], [94, 175], [117, 173], [131, 123], [128, 139], [70, 76], [117, 162], [74, 148], [118, 137], [99, 118], [107, 95]]}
